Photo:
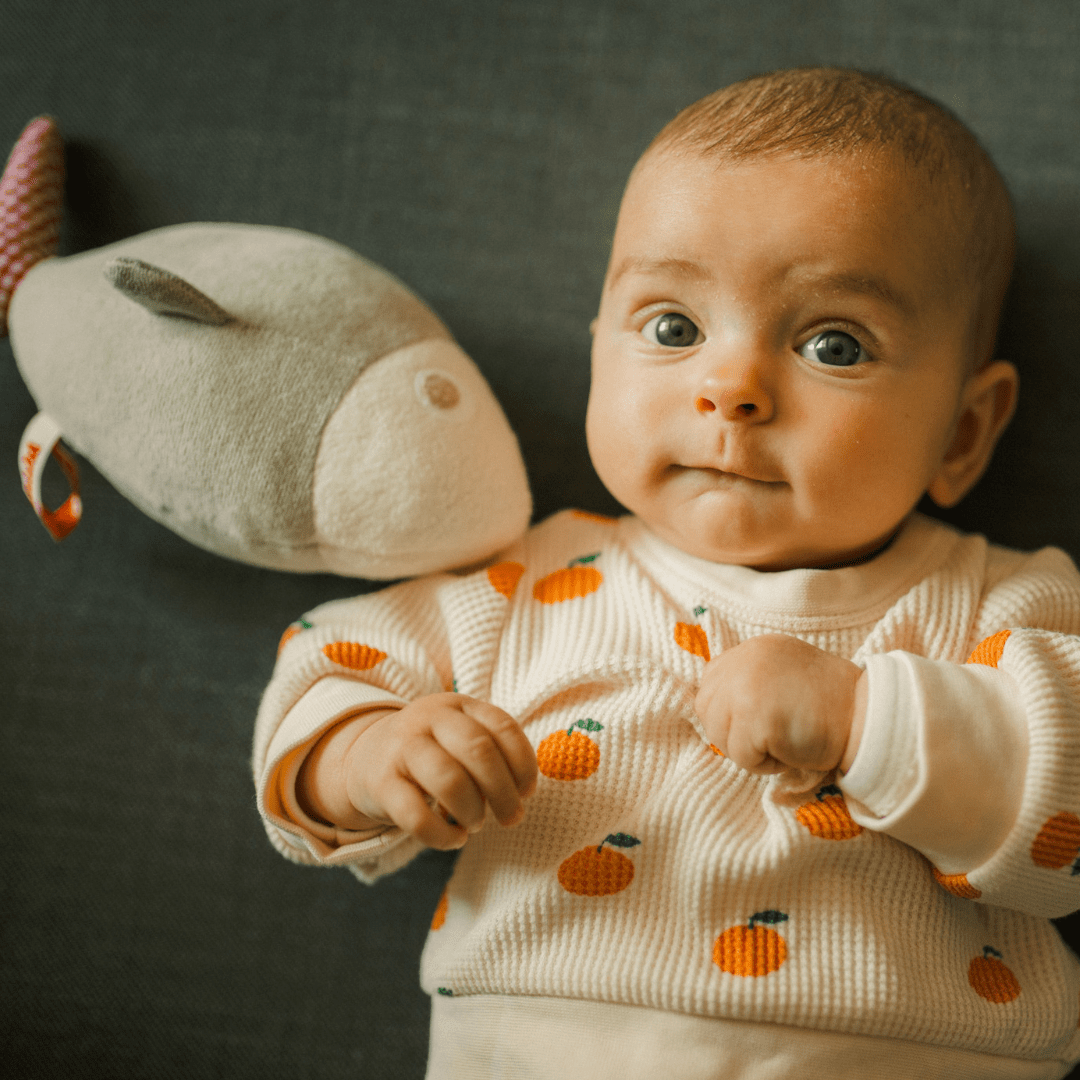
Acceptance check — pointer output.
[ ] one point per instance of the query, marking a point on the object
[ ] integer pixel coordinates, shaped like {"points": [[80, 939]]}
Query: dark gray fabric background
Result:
{"points": [[478, 150]]}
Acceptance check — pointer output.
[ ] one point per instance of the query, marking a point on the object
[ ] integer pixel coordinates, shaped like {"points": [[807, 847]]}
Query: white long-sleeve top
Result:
{"points": [[650, 871]]}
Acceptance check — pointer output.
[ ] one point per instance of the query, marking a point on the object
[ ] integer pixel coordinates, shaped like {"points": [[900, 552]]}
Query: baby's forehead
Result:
{"points": [[658, 169], [937, 203]]}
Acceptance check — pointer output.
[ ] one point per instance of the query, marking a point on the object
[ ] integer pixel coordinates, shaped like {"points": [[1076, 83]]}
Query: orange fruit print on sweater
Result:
{"points": [[989, 650], [570, 754], [353, 655], [439, 917], [1058, 842], [692, 638], [291, 631], [991, 979], [754, 949], [957, 884], [504, 577], [576, 580], [828, 816], [599, 871]]}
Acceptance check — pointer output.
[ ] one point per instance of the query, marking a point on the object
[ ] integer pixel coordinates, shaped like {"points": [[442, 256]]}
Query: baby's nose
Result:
{"points": [[738, 396], [745, 408]]}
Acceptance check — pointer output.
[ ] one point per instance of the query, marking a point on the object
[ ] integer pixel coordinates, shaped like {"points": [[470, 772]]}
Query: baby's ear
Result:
{"points": [[987, 403]]}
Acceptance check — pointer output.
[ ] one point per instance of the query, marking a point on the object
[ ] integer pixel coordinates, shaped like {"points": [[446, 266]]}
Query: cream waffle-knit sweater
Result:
{"points": [[906, 903]]}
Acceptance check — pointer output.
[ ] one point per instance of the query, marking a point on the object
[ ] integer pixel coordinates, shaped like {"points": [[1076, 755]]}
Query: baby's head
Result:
{"points": [[795, 334]]}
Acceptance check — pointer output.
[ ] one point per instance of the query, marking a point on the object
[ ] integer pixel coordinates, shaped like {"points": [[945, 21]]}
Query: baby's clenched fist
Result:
{"points": [[389, 767], [774, 702]]}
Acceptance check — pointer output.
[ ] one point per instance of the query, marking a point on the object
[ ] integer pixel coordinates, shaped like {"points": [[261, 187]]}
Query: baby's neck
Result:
{"points": [[860, 559]]}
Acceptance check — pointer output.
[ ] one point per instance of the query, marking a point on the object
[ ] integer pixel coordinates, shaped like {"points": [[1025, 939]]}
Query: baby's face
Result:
{"points": [[779, 355]]}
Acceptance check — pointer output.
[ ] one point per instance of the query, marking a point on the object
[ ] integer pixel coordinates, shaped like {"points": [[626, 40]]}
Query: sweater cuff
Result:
{"points": [[942, 760], [328, 702]]}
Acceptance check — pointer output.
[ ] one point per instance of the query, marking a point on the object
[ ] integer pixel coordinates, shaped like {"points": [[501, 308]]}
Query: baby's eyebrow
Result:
{"points": [[690, 270], [684, 269], [866, 285]]}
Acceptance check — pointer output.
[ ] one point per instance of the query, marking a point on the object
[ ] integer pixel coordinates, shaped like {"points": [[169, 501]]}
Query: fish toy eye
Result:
{"points": [[672, 329]]}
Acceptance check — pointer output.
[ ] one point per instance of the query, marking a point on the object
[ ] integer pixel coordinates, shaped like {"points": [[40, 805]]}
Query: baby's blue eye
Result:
{"points": [[833, 347], [672, 329]]}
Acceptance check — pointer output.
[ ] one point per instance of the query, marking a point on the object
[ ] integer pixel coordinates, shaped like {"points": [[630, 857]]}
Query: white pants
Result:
{"points": [[488, 1037]]}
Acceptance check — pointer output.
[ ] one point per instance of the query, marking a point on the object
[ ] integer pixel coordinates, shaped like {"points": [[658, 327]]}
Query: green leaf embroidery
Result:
{"points": [[588, 725], [581, 560], [770, 917], [620, 839]]}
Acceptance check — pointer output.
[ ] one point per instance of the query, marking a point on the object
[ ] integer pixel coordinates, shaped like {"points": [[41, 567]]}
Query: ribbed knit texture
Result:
{"points": [[668, 877]]}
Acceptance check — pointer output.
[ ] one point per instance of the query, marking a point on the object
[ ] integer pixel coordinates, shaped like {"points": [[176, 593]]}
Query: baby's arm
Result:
{"points": [[360, 664], [774, 702], [388, 767], [943, 745], [976, 765]]}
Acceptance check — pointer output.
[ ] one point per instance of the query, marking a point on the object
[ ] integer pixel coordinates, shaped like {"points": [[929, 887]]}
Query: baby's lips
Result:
{"points": [[738, 467], [745, 474]]}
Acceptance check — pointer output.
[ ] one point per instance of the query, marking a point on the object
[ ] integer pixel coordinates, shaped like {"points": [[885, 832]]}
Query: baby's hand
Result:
{"points": [[774, 702], [465, 754]]}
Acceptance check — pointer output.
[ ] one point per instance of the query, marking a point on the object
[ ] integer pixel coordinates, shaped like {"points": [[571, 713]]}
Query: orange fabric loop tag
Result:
{"points": [[40, 439]]}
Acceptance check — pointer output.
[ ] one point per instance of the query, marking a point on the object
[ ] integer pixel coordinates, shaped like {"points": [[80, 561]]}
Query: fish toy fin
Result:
{"points": [[162, 292]]}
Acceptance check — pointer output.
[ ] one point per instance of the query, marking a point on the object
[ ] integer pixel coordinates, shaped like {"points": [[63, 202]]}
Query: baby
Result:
{"points": [[795, 771]]}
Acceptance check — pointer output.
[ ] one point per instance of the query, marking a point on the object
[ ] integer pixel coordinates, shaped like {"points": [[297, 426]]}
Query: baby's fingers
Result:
{"points": [[409, 808], [438, 771], [744, 748], [516, 750], [494, 751]]}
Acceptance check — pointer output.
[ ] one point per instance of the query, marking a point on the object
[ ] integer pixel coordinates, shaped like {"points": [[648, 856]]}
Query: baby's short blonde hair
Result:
{"points": [[816, 112]]}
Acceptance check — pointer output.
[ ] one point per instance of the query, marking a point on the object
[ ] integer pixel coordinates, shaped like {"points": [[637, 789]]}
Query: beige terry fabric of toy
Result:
{"points": [[326, 422]]}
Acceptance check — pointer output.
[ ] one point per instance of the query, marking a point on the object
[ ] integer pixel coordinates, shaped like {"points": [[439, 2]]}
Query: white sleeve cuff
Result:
{"points": [[942, 759], [329, 701]]}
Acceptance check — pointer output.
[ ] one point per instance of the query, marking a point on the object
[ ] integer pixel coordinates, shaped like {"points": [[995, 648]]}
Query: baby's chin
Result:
{"points": [[731, 545], [752, 543]]}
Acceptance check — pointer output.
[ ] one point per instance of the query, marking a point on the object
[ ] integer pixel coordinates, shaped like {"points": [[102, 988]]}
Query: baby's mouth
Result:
{"points": [[729, 478]]}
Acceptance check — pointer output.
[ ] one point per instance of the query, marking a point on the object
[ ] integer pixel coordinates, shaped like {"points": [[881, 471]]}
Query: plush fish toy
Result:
{"points": [[265, 393]]}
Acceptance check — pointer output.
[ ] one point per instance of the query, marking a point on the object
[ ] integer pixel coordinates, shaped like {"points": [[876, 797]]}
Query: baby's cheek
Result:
{"points": [[623, 416], [871, 469]]}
